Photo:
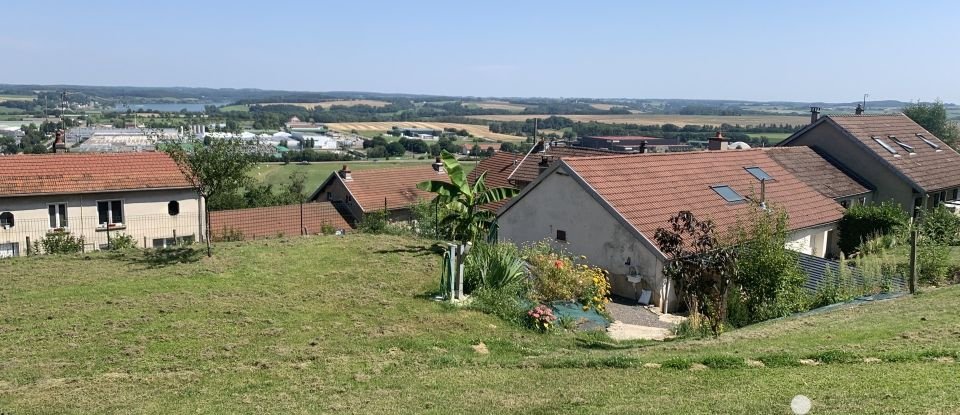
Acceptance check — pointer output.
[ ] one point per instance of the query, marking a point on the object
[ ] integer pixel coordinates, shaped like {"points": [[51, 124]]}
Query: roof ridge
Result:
{"points": [[674, 154]]}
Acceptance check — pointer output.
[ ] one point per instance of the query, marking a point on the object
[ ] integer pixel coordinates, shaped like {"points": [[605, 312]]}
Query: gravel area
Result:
{"points": [[628, 311]]}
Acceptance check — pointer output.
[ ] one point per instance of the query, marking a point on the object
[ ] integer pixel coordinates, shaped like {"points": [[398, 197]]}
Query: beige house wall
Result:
{"points": [[560, 203], [144, 212]]}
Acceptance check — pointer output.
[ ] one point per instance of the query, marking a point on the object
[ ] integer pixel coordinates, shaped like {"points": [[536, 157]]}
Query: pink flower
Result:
{"points": [[558, 263]]}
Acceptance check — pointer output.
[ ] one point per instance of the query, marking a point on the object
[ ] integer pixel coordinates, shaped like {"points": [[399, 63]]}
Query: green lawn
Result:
{"points": [[773, 137], [279, 175], [240, 108], [17, 97], [346, 325]]}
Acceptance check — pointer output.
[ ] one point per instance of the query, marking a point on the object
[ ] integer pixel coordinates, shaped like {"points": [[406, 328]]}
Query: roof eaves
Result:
{"points": [[88, 192]]}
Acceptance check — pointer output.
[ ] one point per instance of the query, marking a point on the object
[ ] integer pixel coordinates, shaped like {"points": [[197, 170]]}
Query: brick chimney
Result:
{"points": [[814, 114], [60, 144], [344, 173], [718, 142], [438, 166]]}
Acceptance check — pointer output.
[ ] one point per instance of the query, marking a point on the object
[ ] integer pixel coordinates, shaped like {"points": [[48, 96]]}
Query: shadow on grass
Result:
{"points": [[435, 249], [159, 258]]}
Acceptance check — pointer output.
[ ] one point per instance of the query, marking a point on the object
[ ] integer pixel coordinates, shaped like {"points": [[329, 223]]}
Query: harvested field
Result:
{"points": [[496, 105], [476, 130], [328, 104], [664, 119]]}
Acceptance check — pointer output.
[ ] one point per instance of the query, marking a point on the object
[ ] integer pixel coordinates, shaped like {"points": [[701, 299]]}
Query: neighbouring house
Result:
{"points": [[97, 196], [518, 170], [899, 159], [824, 174], [394, 190], [608, 208]]}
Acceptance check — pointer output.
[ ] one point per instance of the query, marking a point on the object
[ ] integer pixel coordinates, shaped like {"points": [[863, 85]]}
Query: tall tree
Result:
{"points": [[933, 117], [216, 168]]}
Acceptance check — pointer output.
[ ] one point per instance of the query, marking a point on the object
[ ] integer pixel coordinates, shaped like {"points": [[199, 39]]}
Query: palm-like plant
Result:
{"points": [[466, 221]]}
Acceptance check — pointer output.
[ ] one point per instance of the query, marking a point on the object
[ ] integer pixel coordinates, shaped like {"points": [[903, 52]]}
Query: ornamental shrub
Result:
{"points": [[864, 222], [59, 241]]}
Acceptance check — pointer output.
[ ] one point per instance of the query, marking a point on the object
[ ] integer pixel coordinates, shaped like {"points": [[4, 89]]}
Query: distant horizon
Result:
{"points": [[815, 51], [59, 86]]}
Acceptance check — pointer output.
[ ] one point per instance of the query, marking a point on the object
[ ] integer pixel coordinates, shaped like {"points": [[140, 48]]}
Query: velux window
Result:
{"points": [[759, 173], [58, 215], [932, 145], [727, 193], [884, 145], [903, 145], [109, 212]]}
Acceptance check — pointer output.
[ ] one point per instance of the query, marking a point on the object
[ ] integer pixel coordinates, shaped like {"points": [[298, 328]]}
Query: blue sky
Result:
{"points": [[757, 50]]}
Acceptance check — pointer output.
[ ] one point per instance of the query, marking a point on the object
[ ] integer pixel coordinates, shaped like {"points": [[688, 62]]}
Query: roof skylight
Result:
{"points": [[884, 144], [727, 193], [905, 146], [759, 173], [932, 145]]}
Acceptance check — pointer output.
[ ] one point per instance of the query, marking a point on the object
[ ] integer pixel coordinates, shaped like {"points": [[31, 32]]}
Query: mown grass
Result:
{"points": [[278, 174], [347, 325]]}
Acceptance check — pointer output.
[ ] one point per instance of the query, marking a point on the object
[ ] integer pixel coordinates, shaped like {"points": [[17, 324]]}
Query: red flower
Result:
{"points": [[558, 263]]}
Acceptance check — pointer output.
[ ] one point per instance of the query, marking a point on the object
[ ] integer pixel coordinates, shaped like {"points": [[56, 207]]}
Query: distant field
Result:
{"points": [[279, 174], [8, 110], [16, 98], [240, 108], [476, 130], [605, 107], [312, 105], [773, 137], [497, 105], [664, 119]]}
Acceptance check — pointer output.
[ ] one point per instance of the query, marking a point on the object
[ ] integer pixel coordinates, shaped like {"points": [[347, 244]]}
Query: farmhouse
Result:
{"points": [[897, 157], [394, 191], [96, 196], [608, 208]]}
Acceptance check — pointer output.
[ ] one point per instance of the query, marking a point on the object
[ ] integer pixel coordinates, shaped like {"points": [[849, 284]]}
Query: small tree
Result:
{"points": [[933, 117], [218, 168], [466, 220], [700, 266]]}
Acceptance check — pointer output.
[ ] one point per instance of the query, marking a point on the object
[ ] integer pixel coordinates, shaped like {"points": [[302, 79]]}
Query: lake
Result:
{"points": [[166, 107]]}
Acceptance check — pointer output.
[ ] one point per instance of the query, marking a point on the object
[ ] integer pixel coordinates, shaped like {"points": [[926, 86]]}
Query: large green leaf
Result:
{"points": [[441, 188], [455, 171], [496, 194]]}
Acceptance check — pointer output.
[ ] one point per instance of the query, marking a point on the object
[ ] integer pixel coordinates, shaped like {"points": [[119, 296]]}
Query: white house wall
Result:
{"points": [[144, 212], [559, 203]]}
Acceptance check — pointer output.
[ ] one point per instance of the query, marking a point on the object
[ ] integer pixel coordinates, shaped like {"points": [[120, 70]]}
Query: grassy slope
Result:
{"points": [[328, 324]]}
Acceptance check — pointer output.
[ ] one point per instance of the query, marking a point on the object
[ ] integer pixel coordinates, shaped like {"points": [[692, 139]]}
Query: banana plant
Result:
{"points": [[466, 221]]}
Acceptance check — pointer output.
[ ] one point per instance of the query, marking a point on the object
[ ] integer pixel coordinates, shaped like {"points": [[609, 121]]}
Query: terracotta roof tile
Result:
{"points": [[397, 186], [647, 189], [498, 169], [928, 168], [37, 174], [818, 171], [529, 166]]}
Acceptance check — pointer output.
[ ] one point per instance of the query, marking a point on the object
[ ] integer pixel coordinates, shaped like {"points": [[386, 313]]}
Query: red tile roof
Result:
{"points": [[529, 168], [818, 171], [498, 169], [647, 189], [39, 174], [397, 187], [268, 222], [928, 168]]}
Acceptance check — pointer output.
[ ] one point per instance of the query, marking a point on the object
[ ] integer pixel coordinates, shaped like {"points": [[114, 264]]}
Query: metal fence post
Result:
{"points": [[28, 247]]}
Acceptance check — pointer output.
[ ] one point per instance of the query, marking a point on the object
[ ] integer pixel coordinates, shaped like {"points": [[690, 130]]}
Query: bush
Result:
{"points": [[121, 242], [940, 226], [501, 303], [555, 277], [933, 263], [496, 266], [59, 242], [327, 229], [863, 222]]}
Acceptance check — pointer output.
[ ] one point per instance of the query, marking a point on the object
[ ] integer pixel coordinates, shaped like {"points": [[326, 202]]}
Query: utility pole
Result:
{"points": [[913, 261]]}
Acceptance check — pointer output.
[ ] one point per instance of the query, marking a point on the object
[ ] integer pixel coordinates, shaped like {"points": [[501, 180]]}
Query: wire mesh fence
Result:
{"points": [[23, 236]]}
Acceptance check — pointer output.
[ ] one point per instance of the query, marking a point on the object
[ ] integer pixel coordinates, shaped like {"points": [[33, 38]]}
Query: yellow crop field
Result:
{"points": [[664, 119], [476, 130]]}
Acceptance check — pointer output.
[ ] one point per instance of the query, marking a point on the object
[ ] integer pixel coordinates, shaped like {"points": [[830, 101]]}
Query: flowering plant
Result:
{"points": [[541, 317]]}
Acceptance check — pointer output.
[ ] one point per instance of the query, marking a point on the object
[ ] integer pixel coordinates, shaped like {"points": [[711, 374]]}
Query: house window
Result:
{"points": [[173, 208], [6, 220], [58, 215], [727, 193], [956, 194], [561, 235], [884, 145], [845, 204], [863, 201], [110, 212]]}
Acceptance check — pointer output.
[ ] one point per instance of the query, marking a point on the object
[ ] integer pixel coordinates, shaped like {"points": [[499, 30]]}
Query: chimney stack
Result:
{"points": [[643, 146], [717, 142], [438, 166], [859, 110], [814, 114], [543, 164], [59, 144], [344, 173]]}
